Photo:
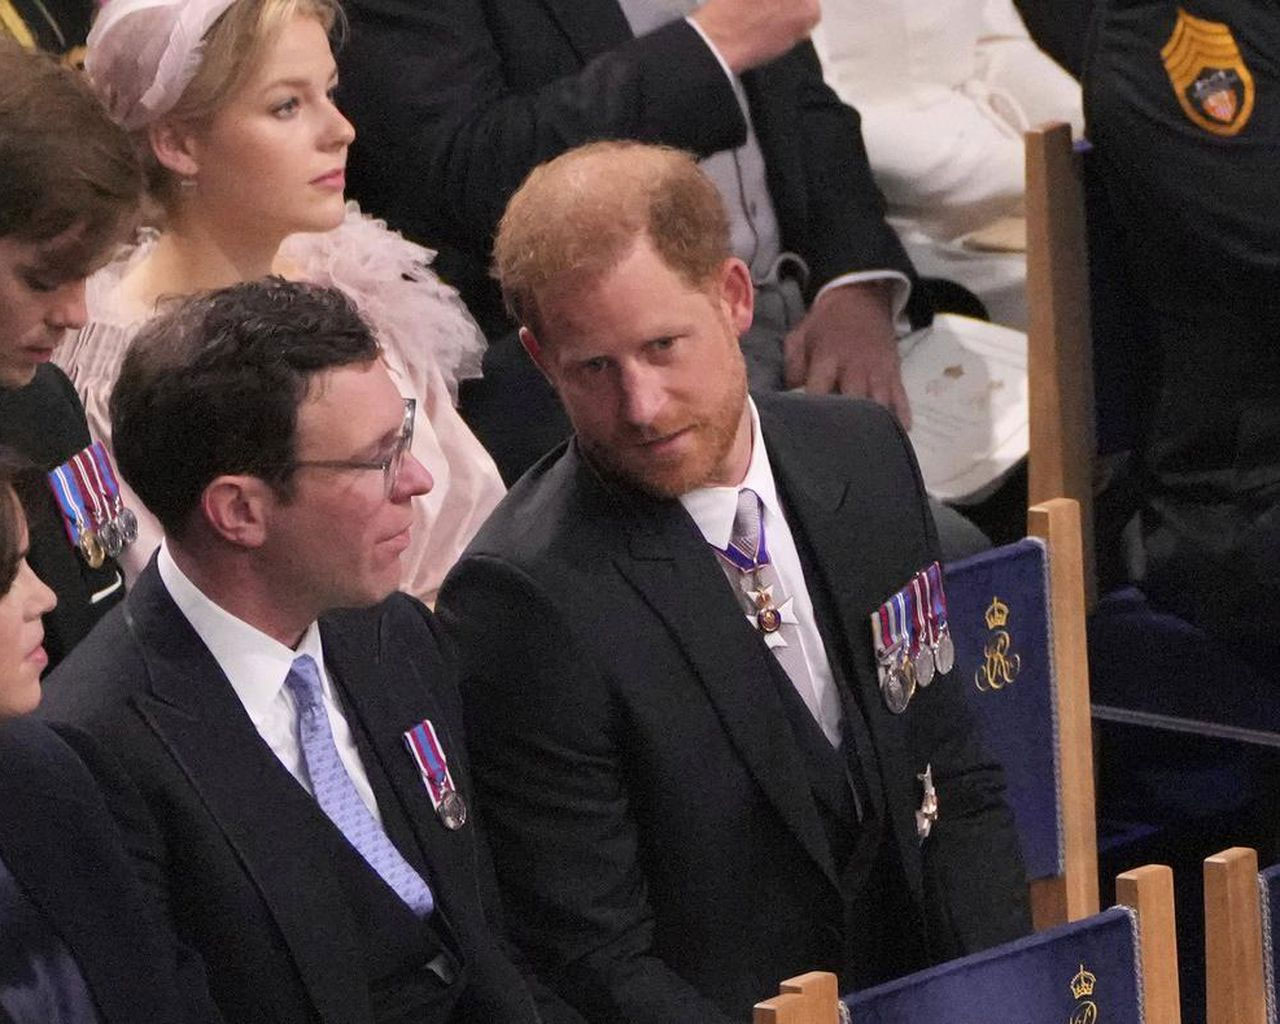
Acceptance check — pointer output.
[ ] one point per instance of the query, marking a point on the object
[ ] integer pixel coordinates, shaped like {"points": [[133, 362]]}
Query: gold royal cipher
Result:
{"points": [[1082, 985], [1000, 667]]}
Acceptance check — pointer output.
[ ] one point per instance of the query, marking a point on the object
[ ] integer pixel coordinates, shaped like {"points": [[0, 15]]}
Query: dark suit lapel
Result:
{"points": [[387, 696], [266, 817], [673, 568], [820, 502], [591, 26]]}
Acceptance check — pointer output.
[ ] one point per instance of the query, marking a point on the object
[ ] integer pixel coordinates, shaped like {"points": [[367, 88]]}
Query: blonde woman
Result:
{"points": [[232, 104]]}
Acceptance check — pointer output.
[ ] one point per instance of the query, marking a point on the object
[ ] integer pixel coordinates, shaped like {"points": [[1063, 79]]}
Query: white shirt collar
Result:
{"points": [[714, 508], [255, 664]]}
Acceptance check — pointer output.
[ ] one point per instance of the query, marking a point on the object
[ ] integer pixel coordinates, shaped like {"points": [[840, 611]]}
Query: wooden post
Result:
{"points": [[1149, 891], [1075, 894], [779, 1010], [1234, 979], [1059, 332], [808, 999]]}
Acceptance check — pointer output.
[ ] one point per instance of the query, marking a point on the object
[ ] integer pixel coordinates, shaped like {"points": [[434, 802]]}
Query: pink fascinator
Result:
{"points": [[142, 54]]}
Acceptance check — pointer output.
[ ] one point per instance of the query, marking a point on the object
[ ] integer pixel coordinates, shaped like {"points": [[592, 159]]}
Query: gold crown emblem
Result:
{"points": [[997, 614], [1082, 984]]}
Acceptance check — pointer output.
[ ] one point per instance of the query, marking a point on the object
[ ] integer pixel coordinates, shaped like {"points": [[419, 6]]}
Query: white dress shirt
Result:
{"points": [[713, 509], [256, 665]]}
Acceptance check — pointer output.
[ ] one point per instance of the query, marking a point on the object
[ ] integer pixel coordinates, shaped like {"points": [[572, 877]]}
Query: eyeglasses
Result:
{"points": [[389, 464]]}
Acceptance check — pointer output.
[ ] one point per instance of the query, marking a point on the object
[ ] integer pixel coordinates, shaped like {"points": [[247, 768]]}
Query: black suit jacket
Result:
{"points": [[455, 101], [654, 830], [238, 853], [59, 841], [45, 422]]}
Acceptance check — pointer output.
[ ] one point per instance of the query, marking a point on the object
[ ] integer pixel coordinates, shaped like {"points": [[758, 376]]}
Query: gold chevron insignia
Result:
{"points": [[11, 24], [1209, 76]]}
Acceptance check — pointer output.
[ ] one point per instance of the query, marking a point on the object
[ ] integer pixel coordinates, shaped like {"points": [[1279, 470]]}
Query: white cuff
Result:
{"points": [[898, 300]]}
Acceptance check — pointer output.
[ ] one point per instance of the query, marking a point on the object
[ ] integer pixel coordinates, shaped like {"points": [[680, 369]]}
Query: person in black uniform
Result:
{"points": [[69, 184], [1180, 108]]}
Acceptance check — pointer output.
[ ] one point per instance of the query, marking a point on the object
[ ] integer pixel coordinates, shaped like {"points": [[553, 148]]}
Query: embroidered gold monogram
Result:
{"points": [[1208, 74], [1000, 667], [1082, 985]]}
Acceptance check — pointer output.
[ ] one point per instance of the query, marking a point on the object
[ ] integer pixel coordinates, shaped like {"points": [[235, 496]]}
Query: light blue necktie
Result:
{"points": [[337, 796]]}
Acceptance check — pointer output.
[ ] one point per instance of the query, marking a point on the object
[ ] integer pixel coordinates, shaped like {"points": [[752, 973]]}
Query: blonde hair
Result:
{"points": [[579, 215], [233, 47]]}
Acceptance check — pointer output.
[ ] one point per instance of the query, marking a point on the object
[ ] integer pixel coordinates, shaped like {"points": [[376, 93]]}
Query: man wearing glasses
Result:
{"points": [[290, 776]]}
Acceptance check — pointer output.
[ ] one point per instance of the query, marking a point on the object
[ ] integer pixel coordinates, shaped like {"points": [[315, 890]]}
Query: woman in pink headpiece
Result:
{"points": [[231, 101]]}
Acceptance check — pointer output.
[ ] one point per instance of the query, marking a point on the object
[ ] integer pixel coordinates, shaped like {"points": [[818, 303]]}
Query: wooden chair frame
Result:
{"points": [[1235, 977], [1059, 333], [814, 998], [1074, 894]]}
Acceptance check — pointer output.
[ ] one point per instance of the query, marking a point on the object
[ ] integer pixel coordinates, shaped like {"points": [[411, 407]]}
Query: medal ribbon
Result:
{"points": [[425, 748], [107, 476], [69, 501], [937, 600], [920, 604], [905, 619], [85, 477]]}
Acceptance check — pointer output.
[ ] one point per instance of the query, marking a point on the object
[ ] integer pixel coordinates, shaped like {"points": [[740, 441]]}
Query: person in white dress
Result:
{"points": [[231, 102], [945, 89]]}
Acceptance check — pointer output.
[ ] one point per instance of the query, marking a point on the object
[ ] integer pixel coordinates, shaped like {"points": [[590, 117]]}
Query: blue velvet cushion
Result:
{"points": [[1269, 886], [1078, 973], [999, 617]]}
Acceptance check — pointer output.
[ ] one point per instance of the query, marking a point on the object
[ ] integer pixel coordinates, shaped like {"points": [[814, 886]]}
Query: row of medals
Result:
{"points": [[905, 671], [108, 539]]}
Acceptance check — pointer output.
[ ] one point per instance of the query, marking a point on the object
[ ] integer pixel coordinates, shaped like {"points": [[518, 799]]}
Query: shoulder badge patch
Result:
{"points": [[1208, 75]]}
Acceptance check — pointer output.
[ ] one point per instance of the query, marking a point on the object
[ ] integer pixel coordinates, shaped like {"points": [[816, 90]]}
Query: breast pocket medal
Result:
{"points": [[911, 638], [97, 522], [424, 746]]}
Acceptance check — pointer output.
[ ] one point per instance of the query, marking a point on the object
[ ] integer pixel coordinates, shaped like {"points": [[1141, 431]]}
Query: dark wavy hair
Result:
{"points": [[63, 163], [19, 480], [212, 386]]}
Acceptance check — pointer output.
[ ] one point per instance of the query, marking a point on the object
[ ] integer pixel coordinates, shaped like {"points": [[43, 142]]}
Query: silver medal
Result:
{"points": [[898, 686], [923, 664], [944, 653], [110, 538], [452, 809], [128, 525]]}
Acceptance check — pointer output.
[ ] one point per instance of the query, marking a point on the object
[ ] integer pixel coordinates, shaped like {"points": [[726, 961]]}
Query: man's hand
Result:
{"points": [[846, 343], [749, 33]]}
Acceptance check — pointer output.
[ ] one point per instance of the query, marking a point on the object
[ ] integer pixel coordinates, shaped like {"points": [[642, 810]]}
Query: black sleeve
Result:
{"points": [[829, 206], [548, 774], [145, 849], [445, 140], [975, 883]]}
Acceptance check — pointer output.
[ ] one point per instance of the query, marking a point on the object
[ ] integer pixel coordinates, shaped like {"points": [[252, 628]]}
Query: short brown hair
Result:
{"points": [[63, 163], [212, 385], [577, 216]]}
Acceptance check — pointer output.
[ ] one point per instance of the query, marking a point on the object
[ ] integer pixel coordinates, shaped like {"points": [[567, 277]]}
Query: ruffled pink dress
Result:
{"points": [[429, 341]]}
